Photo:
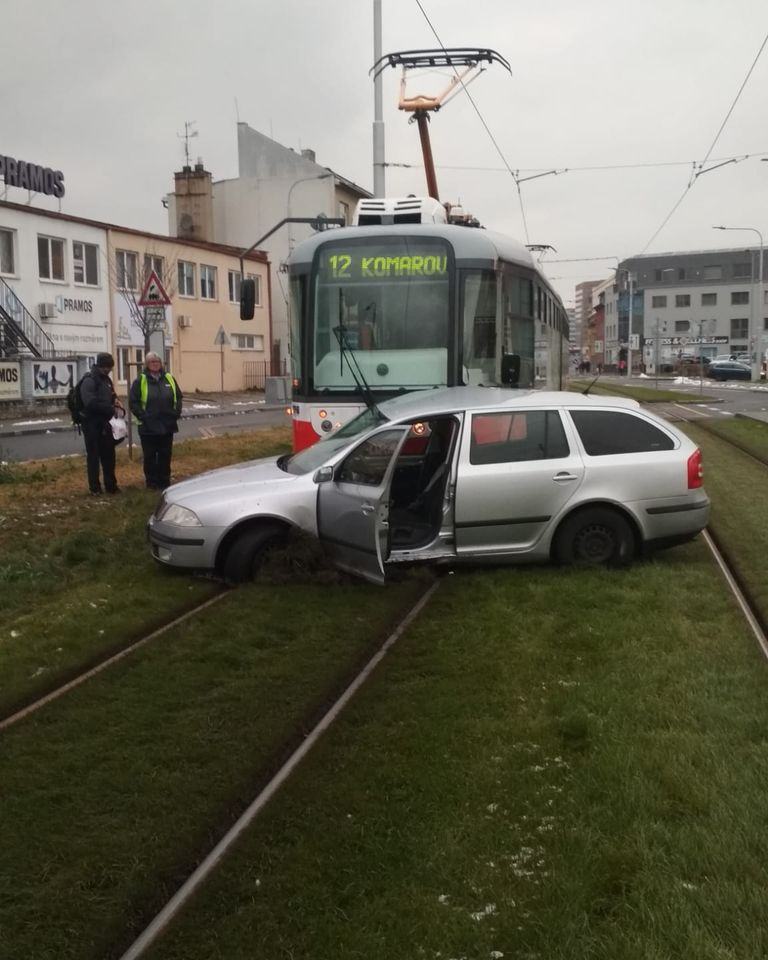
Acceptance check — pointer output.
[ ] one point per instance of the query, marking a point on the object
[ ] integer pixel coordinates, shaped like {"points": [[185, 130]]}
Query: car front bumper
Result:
{"points": [[189, 547]]}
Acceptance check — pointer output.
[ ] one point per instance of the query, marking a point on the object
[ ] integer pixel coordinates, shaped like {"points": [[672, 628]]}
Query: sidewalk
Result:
{"points": [[196, 405]]}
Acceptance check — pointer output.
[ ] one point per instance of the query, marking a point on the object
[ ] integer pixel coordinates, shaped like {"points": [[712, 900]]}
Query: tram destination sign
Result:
{"points": [[31, 176], [366, 264]]}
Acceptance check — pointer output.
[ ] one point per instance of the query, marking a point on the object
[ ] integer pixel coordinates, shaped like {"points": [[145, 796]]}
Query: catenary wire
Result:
{"points": [[695, 173], [485, 125]]}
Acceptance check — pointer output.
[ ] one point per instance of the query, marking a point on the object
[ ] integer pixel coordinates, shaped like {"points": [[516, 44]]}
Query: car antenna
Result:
{"points": [[586, 392]]}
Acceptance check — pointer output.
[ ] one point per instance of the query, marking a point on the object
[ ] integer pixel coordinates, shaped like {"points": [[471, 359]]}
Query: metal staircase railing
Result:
{"points": [[19, 331]]}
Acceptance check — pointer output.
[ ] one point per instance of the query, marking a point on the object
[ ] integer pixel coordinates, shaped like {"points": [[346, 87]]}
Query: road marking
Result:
{"points": [[698, 413]]}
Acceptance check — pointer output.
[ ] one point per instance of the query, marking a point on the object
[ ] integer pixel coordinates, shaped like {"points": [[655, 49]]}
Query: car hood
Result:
{"points": [[252, 476]]}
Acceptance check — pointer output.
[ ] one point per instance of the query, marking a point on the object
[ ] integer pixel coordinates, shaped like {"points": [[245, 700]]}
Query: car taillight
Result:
{"points": [[695, 470]]}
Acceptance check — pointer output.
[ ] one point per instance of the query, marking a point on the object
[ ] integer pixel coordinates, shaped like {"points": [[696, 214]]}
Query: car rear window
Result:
{"points": [[605, 432], [514, 437]]}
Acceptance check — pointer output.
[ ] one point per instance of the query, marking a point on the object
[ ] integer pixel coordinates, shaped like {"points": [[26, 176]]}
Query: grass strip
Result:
{"points": [[111, 795], [551, 764], [642, 394], [738, 488], [752, 435], [76, 577]]}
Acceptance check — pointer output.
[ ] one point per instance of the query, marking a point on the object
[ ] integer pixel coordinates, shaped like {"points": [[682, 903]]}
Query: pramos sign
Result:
{"points": [[10, 381], [31, 176]]}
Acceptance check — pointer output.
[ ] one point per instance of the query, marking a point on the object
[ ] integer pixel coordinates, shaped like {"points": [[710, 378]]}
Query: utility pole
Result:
{"points": [[378, 108], [629, 327]]}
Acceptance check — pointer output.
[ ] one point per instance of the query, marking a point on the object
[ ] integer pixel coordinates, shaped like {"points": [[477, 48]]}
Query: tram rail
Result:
{"points": [[108, 661]]}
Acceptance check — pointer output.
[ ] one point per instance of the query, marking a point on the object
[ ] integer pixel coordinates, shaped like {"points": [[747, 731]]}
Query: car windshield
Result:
{"points": [[319, 453]]}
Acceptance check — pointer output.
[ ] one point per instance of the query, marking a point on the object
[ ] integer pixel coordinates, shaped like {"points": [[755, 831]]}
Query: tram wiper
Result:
{"points": [[357, 374]]}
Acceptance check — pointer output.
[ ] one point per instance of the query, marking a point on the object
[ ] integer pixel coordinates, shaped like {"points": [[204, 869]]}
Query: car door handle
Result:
{"points": [[562, 477], [367, 508]]}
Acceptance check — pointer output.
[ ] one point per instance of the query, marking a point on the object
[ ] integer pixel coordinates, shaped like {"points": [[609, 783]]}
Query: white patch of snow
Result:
{"points": [[205, 406], [488, 911], [36, 423]]}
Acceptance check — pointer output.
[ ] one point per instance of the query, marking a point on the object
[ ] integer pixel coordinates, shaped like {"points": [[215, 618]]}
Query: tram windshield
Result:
{"points": [[388, 300]]}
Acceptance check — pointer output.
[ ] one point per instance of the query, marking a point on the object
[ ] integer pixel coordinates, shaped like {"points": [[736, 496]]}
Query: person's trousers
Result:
{"points": [[157, 452], [100, 452]]}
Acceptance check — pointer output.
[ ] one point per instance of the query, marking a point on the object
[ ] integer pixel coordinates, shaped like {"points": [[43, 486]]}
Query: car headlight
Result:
{"points": [[180, 516]]}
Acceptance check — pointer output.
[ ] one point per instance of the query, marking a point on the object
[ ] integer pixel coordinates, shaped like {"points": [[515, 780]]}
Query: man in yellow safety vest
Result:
{"points": [[155, 400]]}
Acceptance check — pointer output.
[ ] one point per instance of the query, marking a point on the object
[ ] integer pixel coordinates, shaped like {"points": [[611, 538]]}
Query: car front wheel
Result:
{"points": [[595, 537], [247, 552]]}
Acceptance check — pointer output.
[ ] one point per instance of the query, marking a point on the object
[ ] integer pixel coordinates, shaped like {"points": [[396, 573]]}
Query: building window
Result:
{"points": [[343, 211], [708, 299], [207, 282], [681, 273], [740, 296], [126, 264], [712, 273], [739, 328], [742, 271], [7, 262], [123, 358], [186, 279], [658, 275], [248, 341], [658, 301], [153, 262], [234, 286], [682, 326], [682, 300], [50, 255], [85, 263]]}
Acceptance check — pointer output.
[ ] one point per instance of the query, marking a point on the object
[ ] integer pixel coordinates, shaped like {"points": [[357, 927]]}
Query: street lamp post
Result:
{"points": [[317, 176], [755, 327]]}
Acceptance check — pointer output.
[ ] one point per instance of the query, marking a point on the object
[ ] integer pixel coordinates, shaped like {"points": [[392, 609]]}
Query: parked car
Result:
{"points": [[729, 370], [450, 475]]}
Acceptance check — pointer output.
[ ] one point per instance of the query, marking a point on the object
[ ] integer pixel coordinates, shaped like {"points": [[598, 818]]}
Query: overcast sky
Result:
{"points": [[100, 90]]}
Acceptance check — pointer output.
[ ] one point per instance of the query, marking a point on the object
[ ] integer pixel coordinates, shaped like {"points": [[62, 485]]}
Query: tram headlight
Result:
{"points": [[326, 426]]}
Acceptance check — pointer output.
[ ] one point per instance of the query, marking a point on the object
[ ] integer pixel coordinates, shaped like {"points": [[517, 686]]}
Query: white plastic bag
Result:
{"points": [[119, 429]]}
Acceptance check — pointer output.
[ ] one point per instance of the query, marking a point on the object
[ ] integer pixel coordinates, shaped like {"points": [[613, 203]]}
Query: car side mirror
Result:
{"points": [[247, 299], [323, 475], [510, 369]]}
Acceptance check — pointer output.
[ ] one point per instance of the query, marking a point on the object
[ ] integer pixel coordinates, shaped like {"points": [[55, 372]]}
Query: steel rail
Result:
{"points": [[109, 661], [739, 591], [161, 921]]}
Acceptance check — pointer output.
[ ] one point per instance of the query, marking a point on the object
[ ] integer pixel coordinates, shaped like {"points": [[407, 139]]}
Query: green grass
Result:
{"points": [[112, 794], [738, 488], [76, 576], [642, 394], [750, 434], [550, 764]]}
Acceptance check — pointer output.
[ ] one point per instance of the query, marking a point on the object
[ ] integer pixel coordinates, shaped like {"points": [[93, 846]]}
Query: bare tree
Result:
{"points": [[130, 284]]}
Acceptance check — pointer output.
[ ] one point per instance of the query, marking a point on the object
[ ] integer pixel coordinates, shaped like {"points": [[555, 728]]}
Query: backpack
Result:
{"points": [[75, 402]]}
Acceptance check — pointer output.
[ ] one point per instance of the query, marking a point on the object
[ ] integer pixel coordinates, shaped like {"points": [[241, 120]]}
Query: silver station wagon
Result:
{"points": [[462, 473]]}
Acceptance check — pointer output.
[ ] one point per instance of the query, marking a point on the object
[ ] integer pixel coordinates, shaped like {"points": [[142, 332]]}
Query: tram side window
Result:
{"points": [[518, 332], [297, 312], [479, 326]]}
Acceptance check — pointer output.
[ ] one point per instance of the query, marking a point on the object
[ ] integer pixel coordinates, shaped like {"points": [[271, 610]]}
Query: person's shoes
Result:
{"points": [[95, 493], [112, 490]]}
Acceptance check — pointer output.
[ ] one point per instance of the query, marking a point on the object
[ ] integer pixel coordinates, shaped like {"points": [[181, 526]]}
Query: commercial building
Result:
{"points": [[689, 302], [582, 312], [273, 183], [69, 289]]}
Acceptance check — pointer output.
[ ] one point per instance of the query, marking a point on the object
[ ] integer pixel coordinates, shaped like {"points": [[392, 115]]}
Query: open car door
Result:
{"points": [[353, 505]]}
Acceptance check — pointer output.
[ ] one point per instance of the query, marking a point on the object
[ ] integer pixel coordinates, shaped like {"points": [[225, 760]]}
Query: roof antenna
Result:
{"points": [[187, 136], [586, 392]]}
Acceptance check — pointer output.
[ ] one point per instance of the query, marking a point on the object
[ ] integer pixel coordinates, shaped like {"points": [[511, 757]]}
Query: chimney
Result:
{"points": [[309, 155], [194, 203]]}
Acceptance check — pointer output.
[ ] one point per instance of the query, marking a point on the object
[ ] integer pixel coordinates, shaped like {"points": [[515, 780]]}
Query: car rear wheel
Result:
{"points": [[595, 537], [248, 551]]}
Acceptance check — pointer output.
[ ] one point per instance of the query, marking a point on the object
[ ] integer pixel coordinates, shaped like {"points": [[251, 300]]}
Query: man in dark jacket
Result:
{"points": [[99, 405], [155, 400]]}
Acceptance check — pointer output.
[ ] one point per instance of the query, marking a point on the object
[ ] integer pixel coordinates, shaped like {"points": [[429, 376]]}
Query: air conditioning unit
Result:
{"points": [[47, 311], [185, 322], [373, 211]]}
